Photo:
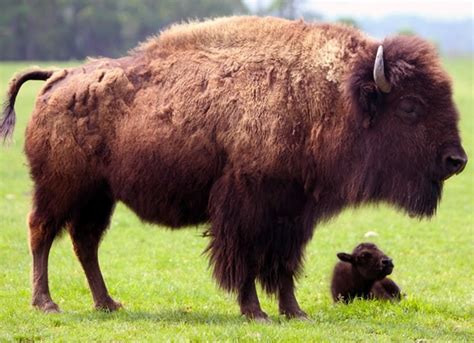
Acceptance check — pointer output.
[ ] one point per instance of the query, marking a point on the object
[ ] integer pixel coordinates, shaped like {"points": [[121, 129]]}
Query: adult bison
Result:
{"points": [[260, 126]]}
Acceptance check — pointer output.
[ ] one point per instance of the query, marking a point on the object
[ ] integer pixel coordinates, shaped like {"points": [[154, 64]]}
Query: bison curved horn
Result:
{"points": [[379, 73]]}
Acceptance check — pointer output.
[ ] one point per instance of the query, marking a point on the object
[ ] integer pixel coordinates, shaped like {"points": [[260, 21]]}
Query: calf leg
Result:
{"points": [[86, 229], [41, 235], [385, 289]]}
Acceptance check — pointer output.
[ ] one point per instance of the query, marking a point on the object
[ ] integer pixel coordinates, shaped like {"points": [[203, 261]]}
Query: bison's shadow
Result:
{"points": [[166, 315], [185, 317]]}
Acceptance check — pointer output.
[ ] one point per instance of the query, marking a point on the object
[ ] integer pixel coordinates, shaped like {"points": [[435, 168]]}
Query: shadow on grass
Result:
{"points": [[163, 316], [175, 316], [384, 318]]}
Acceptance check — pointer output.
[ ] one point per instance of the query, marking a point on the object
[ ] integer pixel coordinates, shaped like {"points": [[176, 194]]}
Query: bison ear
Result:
{"points": [[344, 257], [361, 94], [368, 98], [367, 84]]}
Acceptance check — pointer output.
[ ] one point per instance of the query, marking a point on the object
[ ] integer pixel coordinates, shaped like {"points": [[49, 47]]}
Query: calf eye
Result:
{"points": [[366, 255]]}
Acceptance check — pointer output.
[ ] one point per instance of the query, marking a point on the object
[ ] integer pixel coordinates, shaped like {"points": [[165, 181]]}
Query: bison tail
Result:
{"points": [[7, 120]]}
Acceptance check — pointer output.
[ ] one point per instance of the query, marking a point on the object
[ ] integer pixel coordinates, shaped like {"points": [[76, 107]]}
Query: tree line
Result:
{"points": [[74, 29]]}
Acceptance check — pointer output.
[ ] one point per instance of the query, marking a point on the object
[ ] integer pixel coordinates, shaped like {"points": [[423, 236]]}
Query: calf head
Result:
{"points": [[369, 261]]}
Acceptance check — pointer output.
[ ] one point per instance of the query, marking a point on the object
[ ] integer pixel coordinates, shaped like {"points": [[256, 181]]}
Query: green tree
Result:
{"points": [[406, 31], [66, 29], [348, 21], [285, 8]]}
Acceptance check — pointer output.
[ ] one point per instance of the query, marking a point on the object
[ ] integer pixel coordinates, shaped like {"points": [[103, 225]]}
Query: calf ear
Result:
{"points": [[344, 257]]}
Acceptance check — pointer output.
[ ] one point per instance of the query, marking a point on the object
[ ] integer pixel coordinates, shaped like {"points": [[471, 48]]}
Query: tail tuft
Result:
{"points": [[7, 121]]}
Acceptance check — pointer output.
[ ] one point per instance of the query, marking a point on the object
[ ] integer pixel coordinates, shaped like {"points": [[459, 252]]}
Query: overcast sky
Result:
{"points": [[451, 9]]}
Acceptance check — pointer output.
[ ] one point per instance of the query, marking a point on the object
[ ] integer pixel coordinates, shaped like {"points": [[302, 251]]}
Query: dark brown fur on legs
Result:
{"points": [[42, 233], [290, 227], [249, 303], [86, 228], [271, 224], [287, 304], [232, 248], [45, 222]]}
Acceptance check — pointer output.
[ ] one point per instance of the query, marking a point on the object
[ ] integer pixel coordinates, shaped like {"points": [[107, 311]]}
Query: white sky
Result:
{"points": [[450, 9]]}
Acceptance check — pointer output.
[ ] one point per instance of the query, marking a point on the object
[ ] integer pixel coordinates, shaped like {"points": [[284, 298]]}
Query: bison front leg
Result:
{"points": [[234, 215], [283, 247], [249, 303], [288, 305], [86, 229], [234, 268]]}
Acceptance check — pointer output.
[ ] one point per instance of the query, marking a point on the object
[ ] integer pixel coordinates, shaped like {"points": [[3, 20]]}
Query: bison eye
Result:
{"points": [[407, 105], [409, 109]]}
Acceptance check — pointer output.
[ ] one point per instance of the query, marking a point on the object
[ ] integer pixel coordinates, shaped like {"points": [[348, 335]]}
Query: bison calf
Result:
{"points": [[363, 274]]}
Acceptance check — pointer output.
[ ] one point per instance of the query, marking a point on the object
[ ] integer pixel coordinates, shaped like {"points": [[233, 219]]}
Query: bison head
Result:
{"points": [[408, 137]]}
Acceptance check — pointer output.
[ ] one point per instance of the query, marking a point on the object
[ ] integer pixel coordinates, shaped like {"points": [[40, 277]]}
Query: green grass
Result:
{"points": [[164, 283]]}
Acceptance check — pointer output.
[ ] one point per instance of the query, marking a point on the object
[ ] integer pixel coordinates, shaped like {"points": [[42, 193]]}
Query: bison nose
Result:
{"points": [[387, 262], [454, 163]]}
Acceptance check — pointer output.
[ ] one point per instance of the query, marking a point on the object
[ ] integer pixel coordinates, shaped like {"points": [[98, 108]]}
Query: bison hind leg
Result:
{"points": [[89, 221], [42, 231], [48, 217]]}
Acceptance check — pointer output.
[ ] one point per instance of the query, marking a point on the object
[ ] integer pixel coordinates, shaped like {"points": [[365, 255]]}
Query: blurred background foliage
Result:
{"points": [[75, 29]]}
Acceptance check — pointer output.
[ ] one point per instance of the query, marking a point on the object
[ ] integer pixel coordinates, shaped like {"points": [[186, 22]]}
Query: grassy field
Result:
{"points": [[168, 293]]}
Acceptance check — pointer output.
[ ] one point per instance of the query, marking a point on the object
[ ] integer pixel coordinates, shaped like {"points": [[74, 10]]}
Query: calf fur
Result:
{"points": [[363, 274]]}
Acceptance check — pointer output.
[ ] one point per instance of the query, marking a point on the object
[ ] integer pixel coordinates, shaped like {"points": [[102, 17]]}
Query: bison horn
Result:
{"points": [[379, 73]]}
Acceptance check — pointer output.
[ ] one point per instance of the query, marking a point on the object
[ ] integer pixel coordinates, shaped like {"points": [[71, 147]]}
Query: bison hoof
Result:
{"points": [[262, 320], [47, 307], [295, 314], [108, 305], [257, 316]]}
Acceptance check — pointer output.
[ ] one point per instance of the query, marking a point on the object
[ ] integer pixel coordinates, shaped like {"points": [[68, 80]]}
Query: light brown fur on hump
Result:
{"points": [[220, 33], [245, 86], [253, 81]]}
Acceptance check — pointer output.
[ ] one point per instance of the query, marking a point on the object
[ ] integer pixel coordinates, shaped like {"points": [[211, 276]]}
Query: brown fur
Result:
{"points": [[260, 126], [386, 289], [363, 274]]}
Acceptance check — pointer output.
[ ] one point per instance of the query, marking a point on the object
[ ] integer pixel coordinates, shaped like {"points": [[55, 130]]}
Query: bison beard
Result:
{"points": [[261, 127]]}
